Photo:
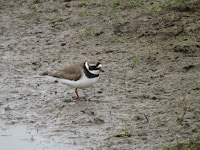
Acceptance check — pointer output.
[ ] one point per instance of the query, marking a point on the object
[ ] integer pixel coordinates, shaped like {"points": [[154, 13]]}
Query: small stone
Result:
{"points": [[7, 108], [62, 44], [136, 118], [98, 120], [154, 98]]}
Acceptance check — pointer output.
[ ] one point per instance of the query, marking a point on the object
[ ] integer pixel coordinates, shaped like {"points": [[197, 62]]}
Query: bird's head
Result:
{"points": [[94, 67]]}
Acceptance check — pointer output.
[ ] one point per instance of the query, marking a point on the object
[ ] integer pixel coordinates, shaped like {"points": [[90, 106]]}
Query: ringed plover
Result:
{"points": [[80, 75]]}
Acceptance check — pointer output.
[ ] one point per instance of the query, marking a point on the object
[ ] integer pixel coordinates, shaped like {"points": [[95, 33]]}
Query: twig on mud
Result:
{"points": [[184, 113], [180, 120], [124, 77], [123, 134], [146, 117]]}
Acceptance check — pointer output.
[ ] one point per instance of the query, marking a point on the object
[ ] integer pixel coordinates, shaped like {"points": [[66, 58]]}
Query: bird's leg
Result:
{"points": [[77, 94]]}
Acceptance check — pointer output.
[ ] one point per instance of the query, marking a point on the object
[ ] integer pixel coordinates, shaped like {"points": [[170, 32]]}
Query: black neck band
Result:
{"points": [[89, 74]]}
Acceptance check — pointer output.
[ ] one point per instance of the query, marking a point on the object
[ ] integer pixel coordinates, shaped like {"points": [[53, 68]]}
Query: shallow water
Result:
{"points": [[21, 138], [18, 137]]}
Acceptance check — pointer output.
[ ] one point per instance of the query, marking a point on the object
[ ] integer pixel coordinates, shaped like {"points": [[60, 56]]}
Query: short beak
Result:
{"points": [[101, 70]]}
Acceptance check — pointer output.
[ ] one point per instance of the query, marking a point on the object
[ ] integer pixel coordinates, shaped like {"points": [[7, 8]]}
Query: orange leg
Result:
{"points": [[77, 94]]}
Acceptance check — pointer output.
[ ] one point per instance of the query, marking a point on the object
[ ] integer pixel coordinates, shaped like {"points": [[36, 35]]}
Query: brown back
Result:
{"points": [[72, 72]]}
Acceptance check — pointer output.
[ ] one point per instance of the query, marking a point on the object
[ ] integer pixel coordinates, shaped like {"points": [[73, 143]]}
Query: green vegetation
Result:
{"points": [[116, 3], [198, 28], [157, 6], [38, 64], [191, 144], [179, 0], [169, 146], [126, 128], [139, 2], [35, 1], [149, 50], [135, 59], [34, 9]]}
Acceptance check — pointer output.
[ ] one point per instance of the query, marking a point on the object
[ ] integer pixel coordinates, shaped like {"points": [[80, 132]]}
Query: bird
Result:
{"points": [[79, 75]]}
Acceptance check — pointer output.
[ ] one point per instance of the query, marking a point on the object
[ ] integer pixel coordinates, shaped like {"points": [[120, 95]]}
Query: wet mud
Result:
{"points": [[148, 96]]}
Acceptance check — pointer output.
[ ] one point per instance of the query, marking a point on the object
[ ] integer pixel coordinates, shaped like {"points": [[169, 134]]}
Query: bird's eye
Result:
{"points": [[98, 64]]}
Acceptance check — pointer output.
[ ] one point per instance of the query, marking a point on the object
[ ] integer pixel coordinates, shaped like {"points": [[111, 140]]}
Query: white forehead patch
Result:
{"points": [[91, 71], [86, 65], [92, 64]]}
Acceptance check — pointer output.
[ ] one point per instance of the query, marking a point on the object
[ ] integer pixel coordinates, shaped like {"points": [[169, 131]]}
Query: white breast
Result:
{"points": [[83, 82]]}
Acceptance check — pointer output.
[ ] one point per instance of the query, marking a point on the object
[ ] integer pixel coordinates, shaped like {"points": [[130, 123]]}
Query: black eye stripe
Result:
{"points": [[93, 68]]}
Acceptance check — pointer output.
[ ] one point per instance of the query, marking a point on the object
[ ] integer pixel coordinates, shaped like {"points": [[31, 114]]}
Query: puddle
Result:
{"points": [[21, 138], [18, 137]]}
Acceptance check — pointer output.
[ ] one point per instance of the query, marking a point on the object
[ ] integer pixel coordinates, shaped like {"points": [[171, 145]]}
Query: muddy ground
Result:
{"points": [[150, 52]]}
